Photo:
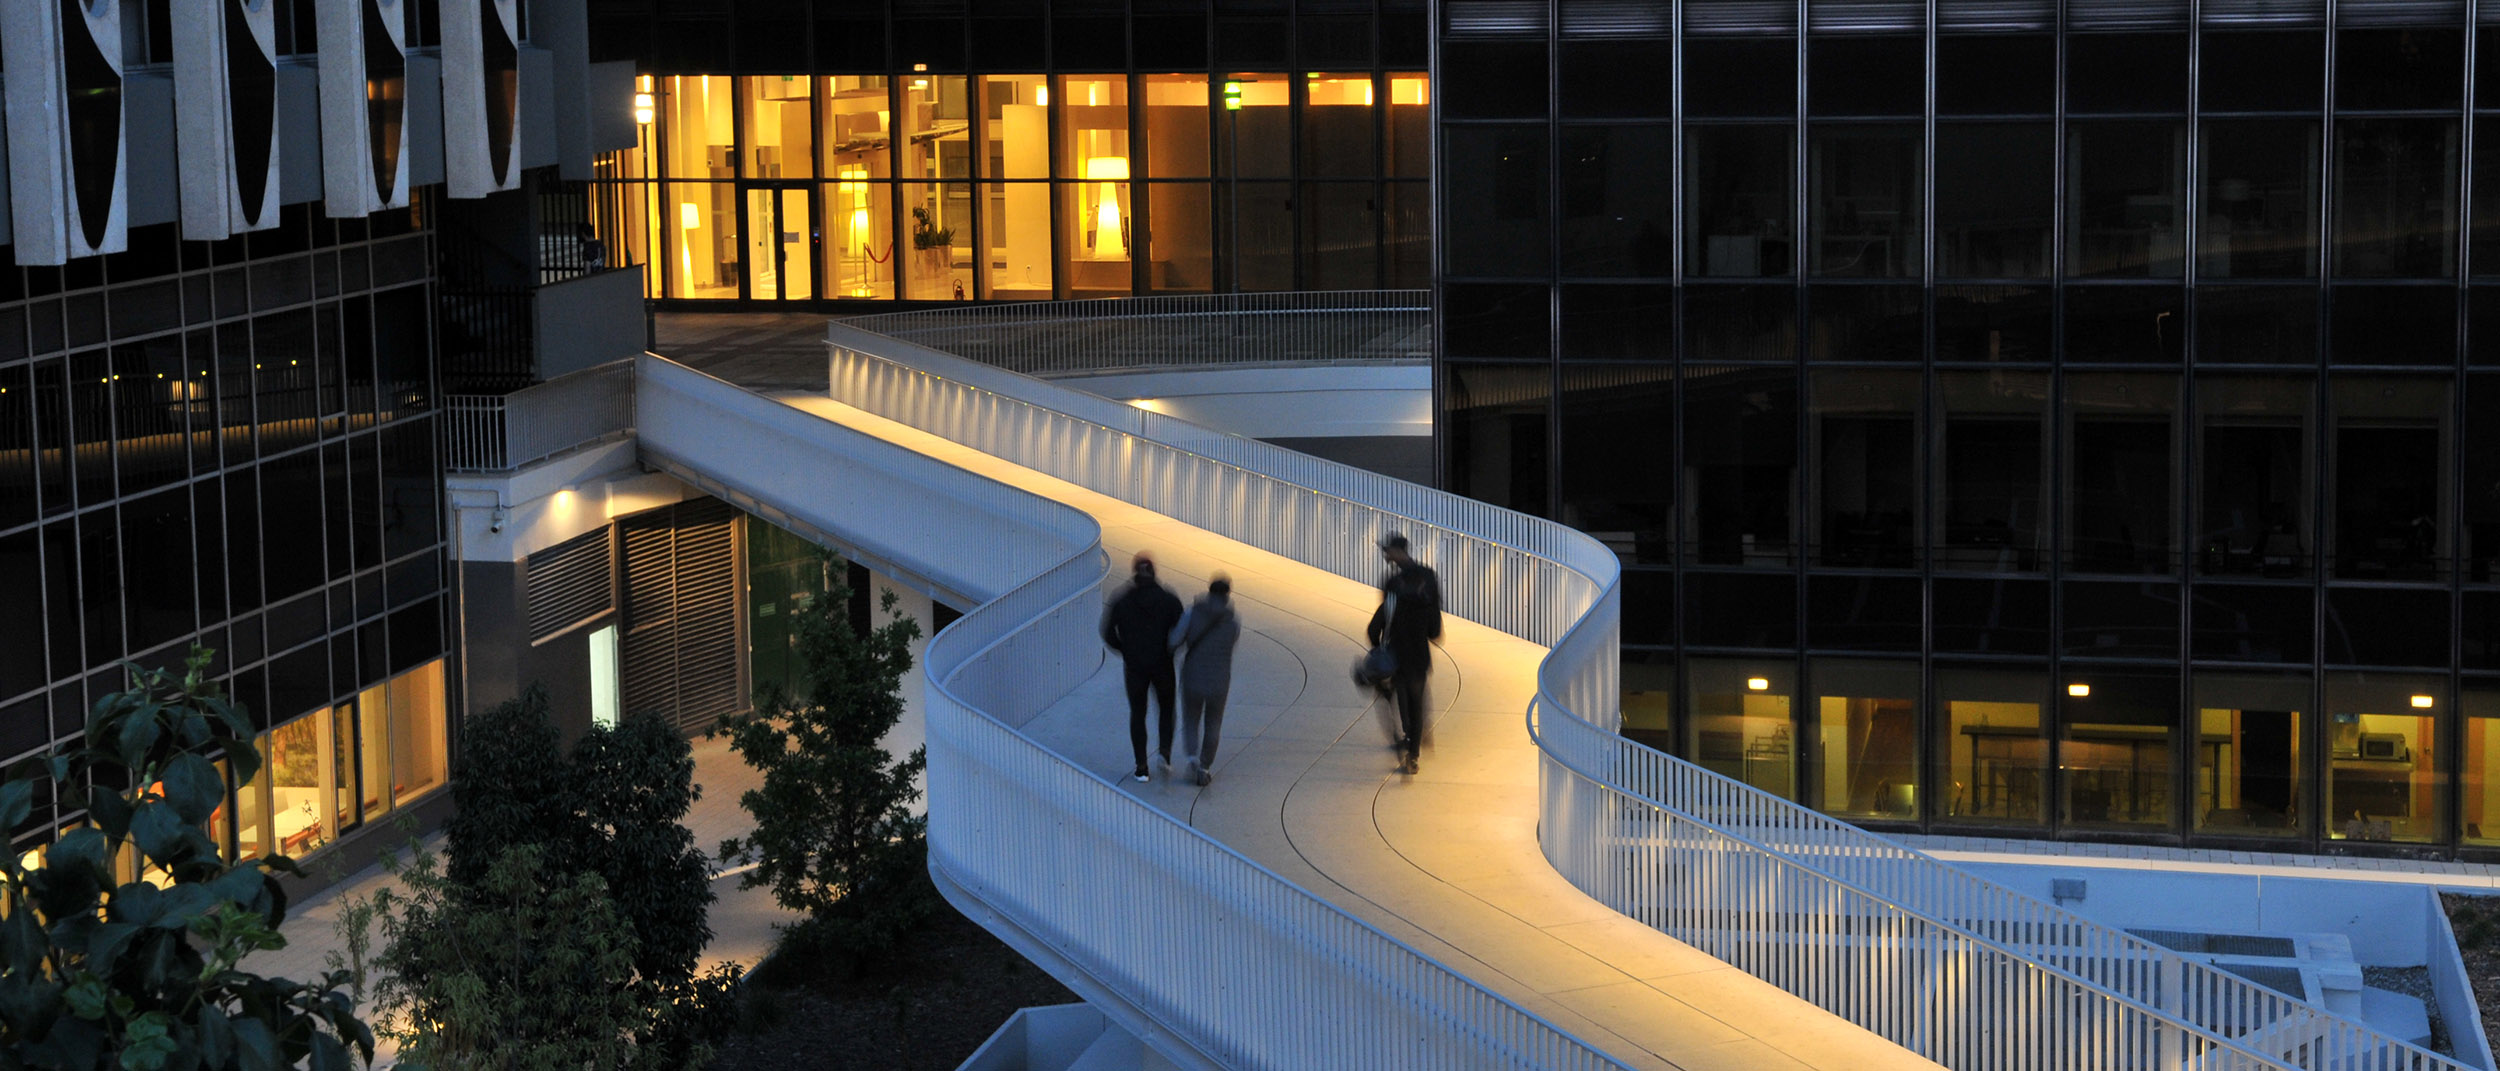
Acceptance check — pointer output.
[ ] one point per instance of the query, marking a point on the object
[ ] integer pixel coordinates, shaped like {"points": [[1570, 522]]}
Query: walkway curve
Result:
{"points": [[1030, 837]]}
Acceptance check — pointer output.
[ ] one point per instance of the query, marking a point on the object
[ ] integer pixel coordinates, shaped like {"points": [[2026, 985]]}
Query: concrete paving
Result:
{"points": [[1446, 860]]}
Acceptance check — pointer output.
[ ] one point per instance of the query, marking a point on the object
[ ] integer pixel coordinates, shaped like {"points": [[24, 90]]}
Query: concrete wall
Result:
{"points": [[589, 320], [501, 660]]}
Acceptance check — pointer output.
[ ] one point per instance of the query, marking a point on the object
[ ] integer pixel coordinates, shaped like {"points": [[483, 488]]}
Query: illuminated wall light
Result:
{"points": [[2421, 702], [1041, 96], [645, 109], [1758, 684], [2079, 691]]}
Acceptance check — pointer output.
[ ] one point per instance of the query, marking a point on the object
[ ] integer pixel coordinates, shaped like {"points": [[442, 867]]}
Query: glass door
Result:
{"points": [[780, 243]]}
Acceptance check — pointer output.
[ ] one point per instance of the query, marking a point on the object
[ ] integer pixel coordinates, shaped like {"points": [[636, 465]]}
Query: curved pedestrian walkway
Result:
{"points": [[1446, 860]]}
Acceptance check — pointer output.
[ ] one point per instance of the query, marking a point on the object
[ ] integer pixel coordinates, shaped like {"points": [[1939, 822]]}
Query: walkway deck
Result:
{"points": [[1446, 860]]}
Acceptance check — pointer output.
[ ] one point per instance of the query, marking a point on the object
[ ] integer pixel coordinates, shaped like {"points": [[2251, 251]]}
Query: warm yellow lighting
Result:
{"points": [[2079, 690], [1151, 405], [1110, 238], [1758, 684], [645, 108], [1041, 96], [564, 498], [689, 217], [2421, 702], [642, 83]]}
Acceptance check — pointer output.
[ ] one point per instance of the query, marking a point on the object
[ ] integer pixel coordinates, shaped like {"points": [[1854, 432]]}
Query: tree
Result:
{"points": [[509, 787], [834, 833], [527, 969], [141, 976], [632, 786], [616, 807]]}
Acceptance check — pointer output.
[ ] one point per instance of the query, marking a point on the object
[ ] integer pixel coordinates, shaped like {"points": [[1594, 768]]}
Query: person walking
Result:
{"points": [[1208, 631], [1138, 622], [1408, 620]]}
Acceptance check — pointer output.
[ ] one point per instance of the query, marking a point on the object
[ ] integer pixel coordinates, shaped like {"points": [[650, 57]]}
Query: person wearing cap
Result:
{"points": [[1138, 622], [1408, 620], [1209, 632]]}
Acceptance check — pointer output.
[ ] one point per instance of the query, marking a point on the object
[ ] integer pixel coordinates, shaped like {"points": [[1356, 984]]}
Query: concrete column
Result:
{"points": [[913, 730]]}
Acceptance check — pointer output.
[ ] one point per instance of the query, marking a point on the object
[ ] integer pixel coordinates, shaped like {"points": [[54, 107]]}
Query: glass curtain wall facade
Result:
{"points": [[232, 444], [2058, 420], [1021, 150]]}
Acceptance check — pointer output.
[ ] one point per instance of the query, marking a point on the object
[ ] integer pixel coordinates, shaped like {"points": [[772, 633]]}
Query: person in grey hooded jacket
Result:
{"points": [[1208, 631]]}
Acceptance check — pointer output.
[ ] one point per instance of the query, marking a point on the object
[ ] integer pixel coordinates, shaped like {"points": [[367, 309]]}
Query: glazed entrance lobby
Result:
{"points": [[949, 187]]}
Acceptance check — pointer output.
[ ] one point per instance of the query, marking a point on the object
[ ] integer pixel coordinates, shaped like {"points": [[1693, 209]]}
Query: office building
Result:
{"points": [[2069, 420]]}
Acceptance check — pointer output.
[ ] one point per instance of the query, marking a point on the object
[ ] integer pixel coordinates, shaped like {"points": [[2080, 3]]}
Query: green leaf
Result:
{"points": [[255, 1048], [139, 904], [106, 944], [80, 849], [17, 803], [140, 730], [157, 830], [193, 788], [28, 1004], [184, 903], [110, 811], [147, 1043], [328, 1054], [216, 1036], [87, 996]]}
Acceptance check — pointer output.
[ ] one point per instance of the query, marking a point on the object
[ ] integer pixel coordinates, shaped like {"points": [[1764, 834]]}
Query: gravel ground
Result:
{"points": [[953, 990], [2476, 920], [2412, 982]]}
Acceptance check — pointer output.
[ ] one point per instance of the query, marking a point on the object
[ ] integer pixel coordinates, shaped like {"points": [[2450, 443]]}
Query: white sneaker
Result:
{"points": [[1142, 776]]}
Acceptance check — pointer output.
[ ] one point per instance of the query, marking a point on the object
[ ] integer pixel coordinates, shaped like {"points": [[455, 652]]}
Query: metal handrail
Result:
{"points": [[1094, 876], [1053, 337], [503, 432], [1550, 584]]}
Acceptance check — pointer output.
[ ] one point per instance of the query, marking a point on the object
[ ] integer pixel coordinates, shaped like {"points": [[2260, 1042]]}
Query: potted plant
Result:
{"points": [[932, 253]]}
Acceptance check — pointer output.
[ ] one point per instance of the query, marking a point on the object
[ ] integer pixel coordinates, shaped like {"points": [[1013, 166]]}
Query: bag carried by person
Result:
{"points": [[1374, 669]]}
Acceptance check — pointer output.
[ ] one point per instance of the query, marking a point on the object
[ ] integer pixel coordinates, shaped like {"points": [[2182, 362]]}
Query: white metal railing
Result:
{"points": [[1623, 821], [1049, 337], [502, 432], [1219, 954]]}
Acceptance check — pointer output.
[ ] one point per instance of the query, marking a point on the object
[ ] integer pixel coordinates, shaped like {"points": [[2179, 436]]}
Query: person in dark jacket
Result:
{"points": [[1137, 622], [1209, 631], [1408, 620]]}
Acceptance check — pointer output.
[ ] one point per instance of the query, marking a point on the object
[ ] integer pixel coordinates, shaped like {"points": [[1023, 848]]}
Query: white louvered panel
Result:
{"points": [[1617, 18], [2400, 12], [649, 597], [2264, 13], [567, 584], [1866, 16], [650, 671], [1995, 16], [1496, 18], [707, 619], [1739, 16], [2126, 14]]}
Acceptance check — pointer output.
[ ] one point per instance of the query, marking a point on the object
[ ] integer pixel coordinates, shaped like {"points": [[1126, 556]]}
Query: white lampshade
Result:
{"points": [[1106, 169]]}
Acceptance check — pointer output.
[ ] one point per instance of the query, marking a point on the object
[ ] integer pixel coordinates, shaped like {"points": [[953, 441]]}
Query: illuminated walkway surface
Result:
{"points": [[1447, 860]]}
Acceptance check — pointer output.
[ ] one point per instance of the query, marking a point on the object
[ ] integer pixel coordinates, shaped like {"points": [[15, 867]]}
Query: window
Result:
{"points": [[2396, 198], [2261, 199], [1992, 745], [2115, 757], [1992, 510], [604, 681], [2252, 779], [1176, 126], [1617, 467], [1867, 200], [1339, 113], [1743, 725], [1495, 178], [779, 127], [1740, 458], [1738, 184], [2255, 437], [1099, 207], [1995, 185], [2121, 444], [2383, 779], [699, 130], [417, 708], [2481, 761], [1618, 218], [1495, 421], [1866, 726], [2390, 457], [1865, 434], [2126, 186], [2481, 508]]}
